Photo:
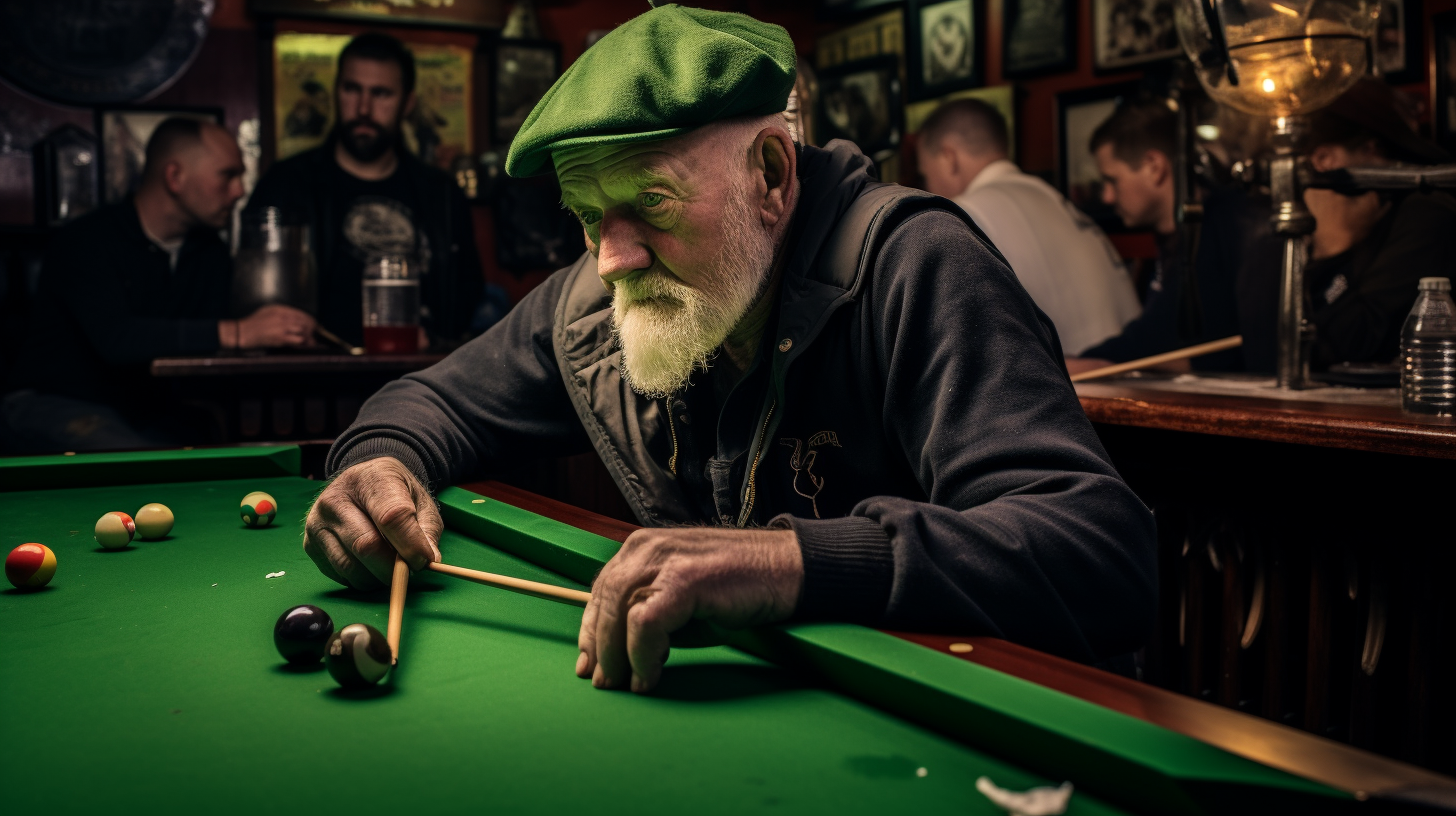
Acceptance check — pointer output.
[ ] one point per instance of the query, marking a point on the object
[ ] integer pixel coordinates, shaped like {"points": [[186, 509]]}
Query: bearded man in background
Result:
{"points": [[826, 398], [365, 195]]}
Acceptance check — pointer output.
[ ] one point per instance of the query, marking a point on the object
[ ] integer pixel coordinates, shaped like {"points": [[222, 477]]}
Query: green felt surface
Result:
{"points": [[145, 681]]}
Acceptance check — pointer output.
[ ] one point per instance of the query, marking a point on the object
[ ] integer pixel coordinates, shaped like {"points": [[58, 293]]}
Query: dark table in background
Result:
{"points": [[283, 396], [1306, 549]]}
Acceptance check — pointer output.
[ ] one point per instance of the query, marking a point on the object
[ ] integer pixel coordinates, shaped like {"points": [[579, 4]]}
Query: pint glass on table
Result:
{"points": [[391, 305]]}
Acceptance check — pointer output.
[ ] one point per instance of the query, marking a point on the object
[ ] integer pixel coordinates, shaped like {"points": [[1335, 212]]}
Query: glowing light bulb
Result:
{"points": [[1268, 85]]}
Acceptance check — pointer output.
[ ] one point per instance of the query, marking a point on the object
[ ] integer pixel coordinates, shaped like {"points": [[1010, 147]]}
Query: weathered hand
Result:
{"points": [[275, 325], [367, 514], [663, 578]]}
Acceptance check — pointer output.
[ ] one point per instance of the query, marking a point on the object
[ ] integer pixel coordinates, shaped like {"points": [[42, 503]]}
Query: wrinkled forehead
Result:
{"points": [[682, 160]]}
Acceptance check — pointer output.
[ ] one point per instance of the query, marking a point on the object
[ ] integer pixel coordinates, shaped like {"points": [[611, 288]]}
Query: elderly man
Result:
{"points": [[827, 398], [142, 278], [1065, 262]]}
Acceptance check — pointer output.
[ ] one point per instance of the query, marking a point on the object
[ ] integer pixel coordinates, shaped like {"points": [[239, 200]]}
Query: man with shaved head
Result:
{"points": [[1059, 254], [142, 278], [824, 397]]}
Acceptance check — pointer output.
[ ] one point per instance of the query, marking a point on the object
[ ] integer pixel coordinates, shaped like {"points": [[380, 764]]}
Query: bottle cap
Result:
{"points": [[1436, 284]]}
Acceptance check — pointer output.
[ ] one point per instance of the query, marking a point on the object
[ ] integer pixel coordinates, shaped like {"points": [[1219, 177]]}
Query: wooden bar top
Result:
{"points": [[1366, 420], [229, 365], [1298, 752]]}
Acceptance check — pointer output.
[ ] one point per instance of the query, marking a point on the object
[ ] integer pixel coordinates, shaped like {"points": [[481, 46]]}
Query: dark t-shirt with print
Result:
{"points": [[371, 218]]}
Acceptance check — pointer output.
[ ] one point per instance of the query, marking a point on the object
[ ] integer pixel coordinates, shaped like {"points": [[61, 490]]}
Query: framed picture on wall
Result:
{"points": [[862, 102], [122, 134], [1038, 37], [943, 51], [524, 70], [1079, 113], [1398, 41], [1128, 33], [1443, 85]]}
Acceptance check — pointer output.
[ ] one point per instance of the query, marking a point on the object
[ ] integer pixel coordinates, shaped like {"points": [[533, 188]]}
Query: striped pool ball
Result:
{"points": [[30, 566], [154, 521], [114, 530], [258, 509], [357, 656]]}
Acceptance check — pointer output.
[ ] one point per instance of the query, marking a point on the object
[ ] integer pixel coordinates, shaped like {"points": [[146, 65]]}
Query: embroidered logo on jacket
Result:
{"points": [[802, 461]]}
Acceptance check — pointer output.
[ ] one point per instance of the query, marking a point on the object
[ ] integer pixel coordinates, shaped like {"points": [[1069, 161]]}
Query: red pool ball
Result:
{"points": [[30, 566]]}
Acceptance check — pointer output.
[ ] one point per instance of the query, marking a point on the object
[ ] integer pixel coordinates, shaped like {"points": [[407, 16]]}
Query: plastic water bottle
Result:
{"points": [[1428, 352]]}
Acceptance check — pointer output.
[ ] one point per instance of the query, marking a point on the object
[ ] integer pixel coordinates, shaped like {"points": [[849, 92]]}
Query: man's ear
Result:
{"points": [[173, 175], [1158, 167], [409, 105], [775, 158]]}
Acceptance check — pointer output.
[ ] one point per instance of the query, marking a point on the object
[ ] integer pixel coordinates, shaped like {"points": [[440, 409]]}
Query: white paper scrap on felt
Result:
{"points": [[275, 575], [1035, 802]]}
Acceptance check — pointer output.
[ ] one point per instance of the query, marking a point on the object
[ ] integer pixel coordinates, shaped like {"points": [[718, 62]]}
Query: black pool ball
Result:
{"points": [[357, 656], [302, 633]]}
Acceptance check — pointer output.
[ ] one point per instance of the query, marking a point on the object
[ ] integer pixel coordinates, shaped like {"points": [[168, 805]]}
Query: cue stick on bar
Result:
{"points": [[548, 591], [397, 587], [1158, 359], [336, 340]]}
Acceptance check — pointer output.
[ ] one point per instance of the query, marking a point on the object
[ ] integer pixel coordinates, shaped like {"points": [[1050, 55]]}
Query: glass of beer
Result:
{"points": [[391, 305]]}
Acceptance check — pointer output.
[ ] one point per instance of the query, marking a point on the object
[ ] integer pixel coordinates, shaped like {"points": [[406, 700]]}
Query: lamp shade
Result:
{"points": [[1277, 57]]}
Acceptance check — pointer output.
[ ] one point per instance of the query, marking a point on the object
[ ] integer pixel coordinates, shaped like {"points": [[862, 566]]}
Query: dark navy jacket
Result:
{"points": [[915, 427]]}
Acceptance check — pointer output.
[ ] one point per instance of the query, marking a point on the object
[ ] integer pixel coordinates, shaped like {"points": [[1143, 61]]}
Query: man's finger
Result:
{"points": [[391, 504], [612, 669], [365, 547], [652, 613], [586, 640]]}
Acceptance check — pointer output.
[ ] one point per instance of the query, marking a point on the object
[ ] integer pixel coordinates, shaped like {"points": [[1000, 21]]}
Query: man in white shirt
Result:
{"points": [[1063, 260]]}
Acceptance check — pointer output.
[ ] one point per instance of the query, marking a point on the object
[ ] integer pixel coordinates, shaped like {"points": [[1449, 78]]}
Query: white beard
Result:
{"points": [[667, 330]]}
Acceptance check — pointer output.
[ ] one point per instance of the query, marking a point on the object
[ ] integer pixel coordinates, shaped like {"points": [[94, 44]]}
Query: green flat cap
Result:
{"points": [[660, 74]]}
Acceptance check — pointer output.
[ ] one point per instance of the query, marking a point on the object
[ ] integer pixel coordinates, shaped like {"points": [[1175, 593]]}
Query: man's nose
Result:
{"points": [[620, 249]]}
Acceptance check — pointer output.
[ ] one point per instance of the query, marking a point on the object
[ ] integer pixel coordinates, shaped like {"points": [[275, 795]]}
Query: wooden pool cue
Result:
{"points": [[550, 592], [1158, 359], [337, 340], [397, 585]]}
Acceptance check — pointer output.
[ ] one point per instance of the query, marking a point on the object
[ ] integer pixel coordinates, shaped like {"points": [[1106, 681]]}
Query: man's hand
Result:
{"points": [[270, 326], [367, 514], [663, 578]]}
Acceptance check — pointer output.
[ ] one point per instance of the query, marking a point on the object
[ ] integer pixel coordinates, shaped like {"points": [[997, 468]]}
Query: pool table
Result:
{"points": [[144, 680]]}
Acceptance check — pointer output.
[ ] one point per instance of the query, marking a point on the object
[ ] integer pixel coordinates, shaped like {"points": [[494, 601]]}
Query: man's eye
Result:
{"points": [[651, 200]]}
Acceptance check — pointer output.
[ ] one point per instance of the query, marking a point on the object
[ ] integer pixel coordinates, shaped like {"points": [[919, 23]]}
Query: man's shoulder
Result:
{"points": [[426, 173]]}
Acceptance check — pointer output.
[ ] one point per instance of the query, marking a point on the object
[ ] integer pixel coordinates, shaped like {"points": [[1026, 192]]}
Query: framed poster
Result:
{"points": [[1398, 41], [524, 71], [1079, 113], [943, 51], [1038, 37], [439, 130], [862, 102], [1443, 85], [122, 134], [1129, 33], [477, 15], [1000, 97], [879, 35]]}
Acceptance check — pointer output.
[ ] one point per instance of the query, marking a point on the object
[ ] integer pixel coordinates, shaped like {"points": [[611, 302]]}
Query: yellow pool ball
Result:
{"points": [[114, 530], [154, 521], [258, 509]]}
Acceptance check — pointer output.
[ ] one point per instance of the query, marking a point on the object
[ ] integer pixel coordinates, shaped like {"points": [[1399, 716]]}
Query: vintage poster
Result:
{"points": [[304, 66]]}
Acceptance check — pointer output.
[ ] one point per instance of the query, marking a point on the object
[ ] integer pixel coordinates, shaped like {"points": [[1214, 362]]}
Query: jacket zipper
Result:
{"points": [[672, 429], [753, 468]]}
